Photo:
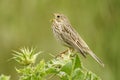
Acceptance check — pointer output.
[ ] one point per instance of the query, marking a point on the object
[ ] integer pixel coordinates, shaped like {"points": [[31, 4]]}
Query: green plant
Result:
{"points": [[3, 77], [66, 66]]}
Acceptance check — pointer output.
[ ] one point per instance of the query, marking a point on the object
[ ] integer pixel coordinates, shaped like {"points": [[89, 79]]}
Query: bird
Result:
{"points": [[68, 36]]}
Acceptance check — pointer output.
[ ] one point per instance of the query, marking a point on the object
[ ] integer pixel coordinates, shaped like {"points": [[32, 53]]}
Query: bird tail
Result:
{"points": [[96, 58]]}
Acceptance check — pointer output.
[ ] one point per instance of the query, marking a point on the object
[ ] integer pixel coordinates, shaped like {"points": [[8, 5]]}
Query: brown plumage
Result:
{"points": [[69, 37]]}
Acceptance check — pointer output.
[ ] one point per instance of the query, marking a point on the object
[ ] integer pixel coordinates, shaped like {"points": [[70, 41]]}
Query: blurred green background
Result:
{"points": [[27, 23]]}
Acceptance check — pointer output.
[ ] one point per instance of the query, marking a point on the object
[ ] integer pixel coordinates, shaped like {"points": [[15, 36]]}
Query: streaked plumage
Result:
{"points": [[68, 36]]}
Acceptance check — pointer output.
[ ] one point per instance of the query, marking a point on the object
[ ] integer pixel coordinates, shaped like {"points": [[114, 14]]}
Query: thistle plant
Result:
{"points": [[25, 56], [66, 66]]}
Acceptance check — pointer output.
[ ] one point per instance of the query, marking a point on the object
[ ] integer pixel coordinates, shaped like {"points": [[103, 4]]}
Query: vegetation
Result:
{"points": [[66, 66]]}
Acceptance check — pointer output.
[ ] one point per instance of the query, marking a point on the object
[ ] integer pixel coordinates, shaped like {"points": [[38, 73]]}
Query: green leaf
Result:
{"points": [[91, 76], [78, 63], [51, 70], [64, 77], [67, 68], [40, 66], [78, 74]]}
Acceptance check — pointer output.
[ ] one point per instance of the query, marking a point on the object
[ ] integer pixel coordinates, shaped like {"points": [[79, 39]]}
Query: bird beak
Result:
{"points": [[51, 20]]}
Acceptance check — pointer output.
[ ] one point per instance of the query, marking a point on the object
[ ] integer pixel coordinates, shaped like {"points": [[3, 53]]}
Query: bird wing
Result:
{"points": [[72, 38]]}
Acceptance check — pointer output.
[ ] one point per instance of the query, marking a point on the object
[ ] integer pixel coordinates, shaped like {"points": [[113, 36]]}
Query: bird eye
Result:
{"points": [[58, 16]]}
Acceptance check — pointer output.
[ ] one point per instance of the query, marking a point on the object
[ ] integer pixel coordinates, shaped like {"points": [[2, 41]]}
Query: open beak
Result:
{"points": [[51, 20]]}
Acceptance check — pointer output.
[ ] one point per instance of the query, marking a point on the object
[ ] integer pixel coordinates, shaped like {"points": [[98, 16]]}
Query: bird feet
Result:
{"points": [[68, 51]]}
